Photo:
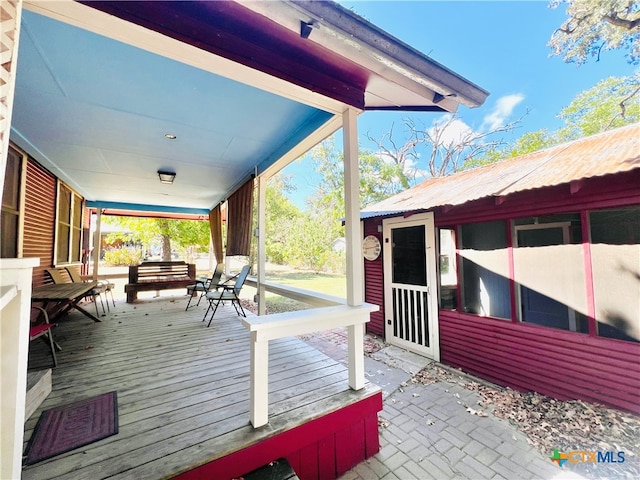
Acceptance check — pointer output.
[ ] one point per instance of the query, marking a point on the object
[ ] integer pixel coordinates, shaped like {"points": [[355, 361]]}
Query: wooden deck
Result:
{"points": [[183, 389]]}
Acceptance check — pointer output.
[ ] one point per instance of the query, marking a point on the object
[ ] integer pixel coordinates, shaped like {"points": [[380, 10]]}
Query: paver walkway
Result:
{"points": [[426, 431]]}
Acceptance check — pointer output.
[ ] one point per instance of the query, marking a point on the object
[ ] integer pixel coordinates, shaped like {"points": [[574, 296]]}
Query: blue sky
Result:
{"points": [[500, 46]]}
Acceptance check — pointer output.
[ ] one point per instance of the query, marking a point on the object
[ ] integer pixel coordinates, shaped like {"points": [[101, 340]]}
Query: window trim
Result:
{"points": [[60, 185], [22, 182]]}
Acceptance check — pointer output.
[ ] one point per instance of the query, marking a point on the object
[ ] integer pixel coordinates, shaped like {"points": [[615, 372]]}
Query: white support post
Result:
{"points": [[259, 379], [353, 235], [356, 356], [262, 243], [355, 268], [97, 243]]}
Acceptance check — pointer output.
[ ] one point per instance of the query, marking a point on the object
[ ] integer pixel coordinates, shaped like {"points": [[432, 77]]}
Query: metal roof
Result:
{"points": [[606, 153]]}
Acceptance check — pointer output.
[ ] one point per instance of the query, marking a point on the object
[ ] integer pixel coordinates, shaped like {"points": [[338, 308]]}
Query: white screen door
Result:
{"points": [[411, 313]]}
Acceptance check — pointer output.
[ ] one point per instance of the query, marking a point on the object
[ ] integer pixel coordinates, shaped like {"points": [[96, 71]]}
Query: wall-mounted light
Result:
{"points": [[305, 28], [166, 177]]}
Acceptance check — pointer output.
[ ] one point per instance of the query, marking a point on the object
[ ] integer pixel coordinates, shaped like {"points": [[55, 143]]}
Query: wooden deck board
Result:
{"points": [[183, 389]]}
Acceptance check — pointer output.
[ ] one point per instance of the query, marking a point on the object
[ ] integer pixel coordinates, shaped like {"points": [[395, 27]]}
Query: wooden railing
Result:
{"points": [[271, 327]]}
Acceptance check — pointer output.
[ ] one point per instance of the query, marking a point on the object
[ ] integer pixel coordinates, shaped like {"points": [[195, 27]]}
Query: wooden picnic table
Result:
{"points": [[65, 296]]}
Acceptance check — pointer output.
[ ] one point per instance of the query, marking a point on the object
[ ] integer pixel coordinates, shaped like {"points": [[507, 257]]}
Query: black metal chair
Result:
{"points": [[228, 293], [203, 286]]}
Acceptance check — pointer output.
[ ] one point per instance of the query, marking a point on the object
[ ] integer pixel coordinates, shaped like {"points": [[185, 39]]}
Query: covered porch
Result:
{"points": [[184, 398], [221, 95]]}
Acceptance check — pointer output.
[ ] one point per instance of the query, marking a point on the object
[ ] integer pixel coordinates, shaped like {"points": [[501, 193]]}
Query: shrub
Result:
{"points": [[122, 257]]}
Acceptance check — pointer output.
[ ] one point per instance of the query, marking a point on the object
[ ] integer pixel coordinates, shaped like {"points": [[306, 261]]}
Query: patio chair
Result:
{"points": [[62, 275], [203, 286], [39, 329], [104, 286], [228, 293]]}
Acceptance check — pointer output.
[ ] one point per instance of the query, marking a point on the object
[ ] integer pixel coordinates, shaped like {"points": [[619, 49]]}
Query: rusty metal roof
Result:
{"points": [[606, 153]]}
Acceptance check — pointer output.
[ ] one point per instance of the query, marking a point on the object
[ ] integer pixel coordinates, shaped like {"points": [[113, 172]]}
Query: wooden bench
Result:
{"points": [[157, 276]]}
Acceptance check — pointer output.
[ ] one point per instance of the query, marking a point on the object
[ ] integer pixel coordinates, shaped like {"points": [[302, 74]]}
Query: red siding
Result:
{"points": [[374, 280], [322, 449], [39, 218], [564, 365]]}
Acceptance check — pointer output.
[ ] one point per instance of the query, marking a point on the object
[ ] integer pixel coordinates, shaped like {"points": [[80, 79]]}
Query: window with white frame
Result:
{"points": [[69, 226], [11, 204]]}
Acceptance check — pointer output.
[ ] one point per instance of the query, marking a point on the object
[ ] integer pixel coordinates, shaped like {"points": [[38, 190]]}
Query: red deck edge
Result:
{"points": [[320, 449]]}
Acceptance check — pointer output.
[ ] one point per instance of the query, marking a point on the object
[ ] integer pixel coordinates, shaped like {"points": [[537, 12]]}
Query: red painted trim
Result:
{"points": [[459, 299], [321, 433], [232, 31], [327, 458], [588, 272], [350, 447], [512, 270]]}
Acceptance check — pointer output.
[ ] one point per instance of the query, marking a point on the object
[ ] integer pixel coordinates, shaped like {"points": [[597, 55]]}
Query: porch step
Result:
{"points": [[276, 470], [38, 388]]}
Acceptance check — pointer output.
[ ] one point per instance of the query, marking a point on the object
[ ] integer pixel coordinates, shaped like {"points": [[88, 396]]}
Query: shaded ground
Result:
{"points": [[546, 423], [549, 424]]}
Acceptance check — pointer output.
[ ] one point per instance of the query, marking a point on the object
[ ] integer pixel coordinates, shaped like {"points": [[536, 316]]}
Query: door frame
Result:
{"points": [[388, 224]]}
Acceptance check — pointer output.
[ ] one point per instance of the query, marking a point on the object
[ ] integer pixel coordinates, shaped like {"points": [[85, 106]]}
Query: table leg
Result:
{"points": [[80, 309]]}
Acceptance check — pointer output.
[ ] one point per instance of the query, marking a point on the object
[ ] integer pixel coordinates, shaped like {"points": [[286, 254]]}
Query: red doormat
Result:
{"points": [[64, 428]]}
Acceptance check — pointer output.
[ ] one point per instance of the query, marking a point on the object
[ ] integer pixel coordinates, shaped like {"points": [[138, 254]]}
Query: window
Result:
{"points": [[615, 257], [409, 255], [69, 226], [11, 204], [485, 269], [549, 271], [448, 269]]}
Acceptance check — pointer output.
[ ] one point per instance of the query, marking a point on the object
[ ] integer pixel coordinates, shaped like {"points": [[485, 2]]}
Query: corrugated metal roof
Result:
{"points": [[610, 152]]}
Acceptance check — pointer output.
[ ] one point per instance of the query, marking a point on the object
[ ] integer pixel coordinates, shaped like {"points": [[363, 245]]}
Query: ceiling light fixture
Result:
{"points": [[170, 136], [166, 177]]}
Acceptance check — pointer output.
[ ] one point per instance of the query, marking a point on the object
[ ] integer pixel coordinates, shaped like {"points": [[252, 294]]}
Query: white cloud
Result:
{"points": [[502, 111], [455, 131]]}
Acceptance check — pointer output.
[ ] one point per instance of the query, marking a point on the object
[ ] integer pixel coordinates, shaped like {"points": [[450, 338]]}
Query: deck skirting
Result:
{"points": [[323, 448]]}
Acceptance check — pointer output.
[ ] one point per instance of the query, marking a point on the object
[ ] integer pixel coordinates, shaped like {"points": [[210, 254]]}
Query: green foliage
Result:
{"points": [[596, 25], [122, 257], [188, 235], [611, 103], [281, 215]]}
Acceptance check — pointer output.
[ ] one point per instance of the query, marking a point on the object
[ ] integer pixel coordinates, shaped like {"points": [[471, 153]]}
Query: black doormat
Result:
{"points": [[67, 427]]}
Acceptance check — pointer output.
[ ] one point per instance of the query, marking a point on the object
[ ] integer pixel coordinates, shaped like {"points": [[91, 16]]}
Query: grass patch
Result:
{"points": [[327, 283]]}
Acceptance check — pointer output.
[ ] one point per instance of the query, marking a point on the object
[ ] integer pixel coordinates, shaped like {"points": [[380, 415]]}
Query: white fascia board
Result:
{"points": [[385, 62], [96, 21]]}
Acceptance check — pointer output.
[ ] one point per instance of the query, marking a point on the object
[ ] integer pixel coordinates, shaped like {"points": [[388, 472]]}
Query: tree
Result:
{"points": [[596, 25], [281, 216], [449, 145], [190, 235], [611, 103]]}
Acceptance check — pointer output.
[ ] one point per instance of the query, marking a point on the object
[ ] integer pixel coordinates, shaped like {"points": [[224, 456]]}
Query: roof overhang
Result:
{"points": [[100, 83]]}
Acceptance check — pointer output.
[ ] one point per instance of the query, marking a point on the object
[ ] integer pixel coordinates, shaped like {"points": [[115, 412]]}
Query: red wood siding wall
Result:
{"points": [[324, 448], [562, 364], [374, 280], [39, 219]]}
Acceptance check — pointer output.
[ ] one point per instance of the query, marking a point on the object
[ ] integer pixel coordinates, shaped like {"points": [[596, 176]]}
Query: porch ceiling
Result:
{"points": [[99, 85]]}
